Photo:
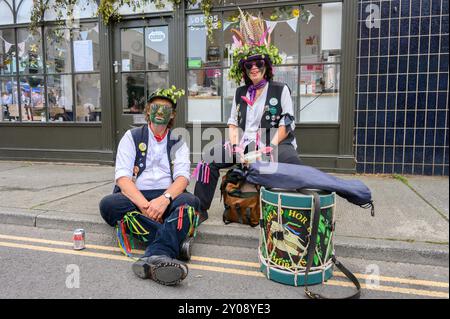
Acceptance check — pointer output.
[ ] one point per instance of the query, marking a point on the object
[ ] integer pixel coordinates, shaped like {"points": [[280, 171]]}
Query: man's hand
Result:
{"points": [[157, 207], [143, 208]]}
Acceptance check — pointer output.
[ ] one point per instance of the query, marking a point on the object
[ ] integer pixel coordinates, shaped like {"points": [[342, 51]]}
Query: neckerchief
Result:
{"points": [[159, 138], [252, 91]]}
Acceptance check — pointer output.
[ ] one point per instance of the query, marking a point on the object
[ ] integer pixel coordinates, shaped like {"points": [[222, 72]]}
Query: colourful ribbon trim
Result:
{"points": [[130, 222], [201, 172]]}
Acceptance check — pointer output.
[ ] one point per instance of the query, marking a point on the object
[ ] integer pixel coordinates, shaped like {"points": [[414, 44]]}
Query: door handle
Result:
{"points": [[116, 66]]}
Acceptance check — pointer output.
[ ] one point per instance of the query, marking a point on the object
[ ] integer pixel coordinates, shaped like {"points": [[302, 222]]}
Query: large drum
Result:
{"points": [[284, 236]]}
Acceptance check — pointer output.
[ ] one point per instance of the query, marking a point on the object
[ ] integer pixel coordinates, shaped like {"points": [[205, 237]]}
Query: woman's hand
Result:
{"points": [[157, 207]]}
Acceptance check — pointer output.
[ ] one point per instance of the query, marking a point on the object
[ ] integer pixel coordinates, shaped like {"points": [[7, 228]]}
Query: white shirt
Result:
{"points": [[157, 171], [255, 113]]}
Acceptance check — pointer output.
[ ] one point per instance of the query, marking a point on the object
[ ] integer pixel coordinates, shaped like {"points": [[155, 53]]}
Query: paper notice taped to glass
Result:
{"points": [[83, 56]]}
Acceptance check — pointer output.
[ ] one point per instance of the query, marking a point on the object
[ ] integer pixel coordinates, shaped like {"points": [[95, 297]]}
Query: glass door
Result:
{"points": [[140, 66]]}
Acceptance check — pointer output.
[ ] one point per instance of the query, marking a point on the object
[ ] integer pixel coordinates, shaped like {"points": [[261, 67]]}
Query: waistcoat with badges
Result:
{"points": [[272, 110], [140, 138]]}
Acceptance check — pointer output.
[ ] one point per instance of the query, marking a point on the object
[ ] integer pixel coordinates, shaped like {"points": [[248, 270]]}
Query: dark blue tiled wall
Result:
{"points": [[401, 117]]}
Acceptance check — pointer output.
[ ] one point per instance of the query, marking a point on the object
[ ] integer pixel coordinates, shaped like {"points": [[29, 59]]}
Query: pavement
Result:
{"points": [[411, 222]]}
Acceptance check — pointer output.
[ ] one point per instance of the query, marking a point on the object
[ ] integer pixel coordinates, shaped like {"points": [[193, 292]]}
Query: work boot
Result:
{"points": [[162, 269]]}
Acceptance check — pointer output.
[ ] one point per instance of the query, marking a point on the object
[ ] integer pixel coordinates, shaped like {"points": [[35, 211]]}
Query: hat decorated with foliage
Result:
{"points": [[171, 94], [253, 39]]}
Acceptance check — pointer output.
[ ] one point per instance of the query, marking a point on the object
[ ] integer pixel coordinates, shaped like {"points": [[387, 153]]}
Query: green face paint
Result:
{"points": [[160, 113]]}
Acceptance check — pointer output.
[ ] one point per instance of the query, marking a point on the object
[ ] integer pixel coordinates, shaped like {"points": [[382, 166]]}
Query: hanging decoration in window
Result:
{"points": [[287, 14], [109, 10]]}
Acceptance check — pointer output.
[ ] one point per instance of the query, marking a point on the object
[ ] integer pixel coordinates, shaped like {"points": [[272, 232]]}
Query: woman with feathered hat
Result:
{"points": [[262, 115]]}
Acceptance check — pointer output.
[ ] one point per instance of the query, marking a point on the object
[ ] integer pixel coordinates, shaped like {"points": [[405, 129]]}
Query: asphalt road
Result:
{"points": [[40, 263]]}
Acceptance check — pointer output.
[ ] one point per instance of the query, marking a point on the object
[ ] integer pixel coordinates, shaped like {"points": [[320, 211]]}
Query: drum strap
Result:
{"points": [[312, 248]]}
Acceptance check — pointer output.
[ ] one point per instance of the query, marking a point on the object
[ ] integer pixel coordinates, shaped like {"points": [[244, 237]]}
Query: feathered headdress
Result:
{"points": [[253, 38]]}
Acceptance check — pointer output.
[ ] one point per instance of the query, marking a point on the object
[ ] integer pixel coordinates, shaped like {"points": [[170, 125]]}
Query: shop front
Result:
{"points": [[71, 95]]}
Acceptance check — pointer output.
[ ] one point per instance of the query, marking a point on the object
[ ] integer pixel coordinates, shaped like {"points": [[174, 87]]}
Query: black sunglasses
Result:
{"points": [[249, 64]]}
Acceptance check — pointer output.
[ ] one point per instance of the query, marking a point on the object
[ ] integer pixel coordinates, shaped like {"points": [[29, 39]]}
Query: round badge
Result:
{"points": [[273, 110], [267, 117], [273, 101], [141, 165], [142, 147], [278, 117], [273, 117], [143, 154]]}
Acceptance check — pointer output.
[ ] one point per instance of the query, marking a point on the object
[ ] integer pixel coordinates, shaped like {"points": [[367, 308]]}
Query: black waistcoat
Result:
{"points": [[272, 109]]}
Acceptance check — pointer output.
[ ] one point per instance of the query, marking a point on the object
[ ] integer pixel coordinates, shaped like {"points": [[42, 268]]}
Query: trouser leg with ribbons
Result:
{"points": [[163, 239]]}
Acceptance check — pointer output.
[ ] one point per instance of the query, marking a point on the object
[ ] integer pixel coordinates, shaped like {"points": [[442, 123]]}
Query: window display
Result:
{"points": [[44, 92]]}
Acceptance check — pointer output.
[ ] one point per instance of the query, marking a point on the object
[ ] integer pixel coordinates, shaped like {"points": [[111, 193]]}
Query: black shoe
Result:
{"points": [[203, 216], [162, 269], [185, 249]]}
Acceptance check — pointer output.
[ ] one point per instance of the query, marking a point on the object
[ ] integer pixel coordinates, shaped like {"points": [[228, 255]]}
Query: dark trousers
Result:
{"points": [[164, 239], [205, 192]]}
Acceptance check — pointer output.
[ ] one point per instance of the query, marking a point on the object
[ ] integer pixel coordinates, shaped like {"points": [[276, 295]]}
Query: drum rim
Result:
{"points": [[291, 192]]}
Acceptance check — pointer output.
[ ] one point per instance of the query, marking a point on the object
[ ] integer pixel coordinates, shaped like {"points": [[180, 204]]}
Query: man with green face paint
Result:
{"points": [[161, 112], [152, 173]]}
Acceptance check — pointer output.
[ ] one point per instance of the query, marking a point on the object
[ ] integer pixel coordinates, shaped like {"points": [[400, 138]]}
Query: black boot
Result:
{"points": [[203, 216], [162, 269]]}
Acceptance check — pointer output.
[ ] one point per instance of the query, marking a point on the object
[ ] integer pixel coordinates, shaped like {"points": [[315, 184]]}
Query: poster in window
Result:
{"points": [[83, 56]]}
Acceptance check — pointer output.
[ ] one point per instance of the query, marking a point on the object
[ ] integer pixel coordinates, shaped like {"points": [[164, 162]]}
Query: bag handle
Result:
{"points": [[312, 248]]}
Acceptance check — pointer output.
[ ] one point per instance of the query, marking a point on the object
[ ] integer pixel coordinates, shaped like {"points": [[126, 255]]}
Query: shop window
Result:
{"points": [[289, 76], [29, 51], [58, 53], [87, 97], [66, 88], [132, 49], [320, 39], [204, 95], [23, 10], [32, 99], [320, 49], [7, 52], [157, 48], [201, 51], [59, 98], [86, 48], [204, 69], [6, 12], [284, 23], [319, 93], [9, 100], [31, 81]]}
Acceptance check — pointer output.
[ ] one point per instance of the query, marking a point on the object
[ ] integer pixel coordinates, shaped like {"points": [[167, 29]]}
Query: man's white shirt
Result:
{"points": [[255, 113], [157, 171]]}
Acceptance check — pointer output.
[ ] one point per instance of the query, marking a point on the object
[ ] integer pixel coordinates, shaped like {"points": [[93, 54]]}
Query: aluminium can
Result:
{"points": [[79, 239]]}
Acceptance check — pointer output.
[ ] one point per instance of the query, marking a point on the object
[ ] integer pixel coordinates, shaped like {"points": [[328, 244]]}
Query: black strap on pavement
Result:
{"points": [[312, 248]]}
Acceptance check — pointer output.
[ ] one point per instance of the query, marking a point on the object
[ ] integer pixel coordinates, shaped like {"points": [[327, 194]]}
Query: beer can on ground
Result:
{"points": [[79, 239]]}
